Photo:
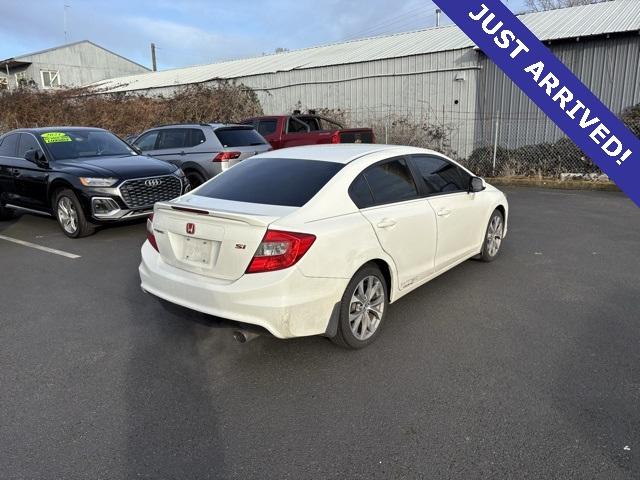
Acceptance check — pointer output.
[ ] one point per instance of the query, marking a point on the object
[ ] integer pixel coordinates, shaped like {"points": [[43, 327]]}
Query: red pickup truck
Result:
{"points": [[306, 129]]}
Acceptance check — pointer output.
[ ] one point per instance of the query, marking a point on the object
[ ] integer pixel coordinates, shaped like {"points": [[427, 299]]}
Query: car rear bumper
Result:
{"points": [[284, 302]]}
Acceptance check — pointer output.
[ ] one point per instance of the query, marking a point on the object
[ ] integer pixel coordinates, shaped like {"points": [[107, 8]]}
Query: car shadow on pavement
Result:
{"points": [[172, 418]]}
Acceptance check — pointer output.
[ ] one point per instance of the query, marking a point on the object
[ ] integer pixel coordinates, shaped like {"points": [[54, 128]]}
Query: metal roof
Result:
{"points": [[614, 16], [24, 59]]}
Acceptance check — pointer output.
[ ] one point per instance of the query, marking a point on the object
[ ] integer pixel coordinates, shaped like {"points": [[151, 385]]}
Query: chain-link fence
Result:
{"points": [[497, 145]]}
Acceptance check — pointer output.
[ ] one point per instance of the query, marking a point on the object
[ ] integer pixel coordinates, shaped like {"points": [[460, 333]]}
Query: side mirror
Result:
{"points": [[36, 157], [476, 185]]}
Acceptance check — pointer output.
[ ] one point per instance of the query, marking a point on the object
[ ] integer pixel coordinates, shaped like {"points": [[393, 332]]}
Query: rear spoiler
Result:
{"points": [[249, 219]]}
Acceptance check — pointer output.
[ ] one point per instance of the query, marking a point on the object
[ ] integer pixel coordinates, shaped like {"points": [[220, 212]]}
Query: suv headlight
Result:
{"points": [[98, 181]]}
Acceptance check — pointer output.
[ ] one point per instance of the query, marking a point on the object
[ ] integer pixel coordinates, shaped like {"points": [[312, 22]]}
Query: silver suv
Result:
{"points": [[202, 150]]}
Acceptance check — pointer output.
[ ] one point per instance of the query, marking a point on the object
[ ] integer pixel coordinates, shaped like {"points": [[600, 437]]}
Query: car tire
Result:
{"points": [[493, 237], [6, 213], [195, 179], [70, 216], [362, 309]]}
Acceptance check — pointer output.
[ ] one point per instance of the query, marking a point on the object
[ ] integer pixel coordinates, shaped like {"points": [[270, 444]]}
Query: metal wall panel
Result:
{"points": [[610, 67]]}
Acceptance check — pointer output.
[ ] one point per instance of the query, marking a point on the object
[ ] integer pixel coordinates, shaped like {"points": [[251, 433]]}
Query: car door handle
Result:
{"points": [[444, 212], [386, 223]]}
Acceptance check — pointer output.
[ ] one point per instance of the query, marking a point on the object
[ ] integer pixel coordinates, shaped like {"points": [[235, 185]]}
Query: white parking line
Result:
{"points": [[40, 247]]}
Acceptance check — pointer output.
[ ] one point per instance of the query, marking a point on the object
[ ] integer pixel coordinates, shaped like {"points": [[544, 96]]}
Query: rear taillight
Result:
{"points": [[280, 250], [226, 156], [335, 138], [150, 235]]}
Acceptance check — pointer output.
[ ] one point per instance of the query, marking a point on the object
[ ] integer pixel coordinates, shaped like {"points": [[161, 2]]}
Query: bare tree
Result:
{"points": [[540, 5]]}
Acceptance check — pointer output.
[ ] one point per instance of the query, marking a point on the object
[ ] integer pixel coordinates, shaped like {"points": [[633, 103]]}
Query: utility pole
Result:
{"points": [[66, 33], [154, 66], [438, 13]]}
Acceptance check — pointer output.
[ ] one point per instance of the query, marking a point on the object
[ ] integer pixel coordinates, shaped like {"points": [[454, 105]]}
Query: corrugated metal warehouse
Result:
{"points": [[434, 75], [69, 65]]}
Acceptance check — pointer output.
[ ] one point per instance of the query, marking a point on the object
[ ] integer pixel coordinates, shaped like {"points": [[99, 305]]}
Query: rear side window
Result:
{"points": [[9, 145], [440, 175], [271, 181], [239, 137], [267, 127], [173, 138], [195, 138], [360, 192], [391, 182]]}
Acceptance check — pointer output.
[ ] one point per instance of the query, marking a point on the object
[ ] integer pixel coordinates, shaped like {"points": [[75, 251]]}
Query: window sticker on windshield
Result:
{"points": [[55, 137]]}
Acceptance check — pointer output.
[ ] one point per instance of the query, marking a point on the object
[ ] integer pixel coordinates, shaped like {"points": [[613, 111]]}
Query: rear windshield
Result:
{"points": [[271, 181], [239, 137]]}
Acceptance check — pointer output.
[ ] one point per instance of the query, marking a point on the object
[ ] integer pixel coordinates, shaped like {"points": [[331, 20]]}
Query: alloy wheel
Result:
{"points": [[366, 307], [67, 215], [494, 235]]}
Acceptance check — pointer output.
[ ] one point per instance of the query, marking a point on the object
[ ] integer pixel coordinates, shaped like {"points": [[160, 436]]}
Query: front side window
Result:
{"points": [[147, 141], [440, 175], [27, 143], [391, 182], [67, 144], [9, 145], [271, 181], [50, 78]]}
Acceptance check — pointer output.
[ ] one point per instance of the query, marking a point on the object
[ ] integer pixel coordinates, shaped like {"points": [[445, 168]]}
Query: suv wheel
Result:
{"points": [[362, 310], [195, 179], [70, 215]]}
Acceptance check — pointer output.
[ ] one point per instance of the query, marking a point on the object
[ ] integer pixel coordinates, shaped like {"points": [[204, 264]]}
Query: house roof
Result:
{"points": [[614, 16]]}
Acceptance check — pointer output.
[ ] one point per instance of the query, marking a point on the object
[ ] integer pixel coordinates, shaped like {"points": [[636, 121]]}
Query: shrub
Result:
{"points": [[126, 113]]}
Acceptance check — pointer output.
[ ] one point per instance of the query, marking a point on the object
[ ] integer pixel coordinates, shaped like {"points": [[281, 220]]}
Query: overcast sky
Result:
{"points": [[197, 31]]}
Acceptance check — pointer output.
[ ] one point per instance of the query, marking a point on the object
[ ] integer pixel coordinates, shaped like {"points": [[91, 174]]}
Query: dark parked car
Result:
{"points": [[82, 176], [202, 150]]}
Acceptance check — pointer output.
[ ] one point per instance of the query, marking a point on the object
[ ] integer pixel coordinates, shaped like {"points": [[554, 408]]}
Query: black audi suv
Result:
{"points": [[84, 177]]}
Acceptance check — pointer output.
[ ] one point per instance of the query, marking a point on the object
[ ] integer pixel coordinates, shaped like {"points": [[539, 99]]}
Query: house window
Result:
{"points": [[50, 78]]}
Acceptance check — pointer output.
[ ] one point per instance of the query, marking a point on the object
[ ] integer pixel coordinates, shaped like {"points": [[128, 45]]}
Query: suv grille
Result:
{"points": [[144, 192]]}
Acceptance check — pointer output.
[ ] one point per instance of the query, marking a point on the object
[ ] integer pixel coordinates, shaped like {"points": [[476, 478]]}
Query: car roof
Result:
{"points": [[197, 125], [342, 152], [54, 129]]}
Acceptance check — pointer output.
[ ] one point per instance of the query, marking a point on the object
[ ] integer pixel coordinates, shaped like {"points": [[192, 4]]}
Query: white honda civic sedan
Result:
{"points": [[320, 240]]}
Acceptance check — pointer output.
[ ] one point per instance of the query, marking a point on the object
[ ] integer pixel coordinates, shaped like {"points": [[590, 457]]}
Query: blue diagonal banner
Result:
{"points": [[552, 86]]}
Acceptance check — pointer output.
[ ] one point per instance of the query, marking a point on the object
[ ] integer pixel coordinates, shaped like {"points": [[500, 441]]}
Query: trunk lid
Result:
{"points": [[212, 237]]}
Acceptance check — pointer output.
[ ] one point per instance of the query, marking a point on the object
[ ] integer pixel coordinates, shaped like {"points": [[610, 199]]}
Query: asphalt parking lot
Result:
{"points": [[528, 367]]}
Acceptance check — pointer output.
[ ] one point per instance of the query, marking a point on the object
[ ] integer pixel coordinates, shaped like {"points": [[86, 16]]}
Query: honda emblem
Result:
{"points": [[191, 228]]}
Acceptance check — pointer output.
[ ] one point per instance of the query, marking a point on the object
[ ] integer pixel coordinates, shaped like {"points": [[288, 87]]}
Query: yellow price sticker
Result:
{"points": [[55, 137]]}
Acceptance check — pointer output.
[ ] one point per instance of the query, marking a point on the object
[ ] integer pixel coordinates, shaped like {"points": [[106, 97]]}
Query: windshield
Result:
{"points": [[72, 144]]}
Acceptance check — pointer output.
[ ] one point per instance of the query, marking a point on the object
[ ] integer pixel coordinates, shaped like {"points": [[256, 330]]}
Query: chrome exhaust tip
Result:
{"points": [[244, 336]]}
